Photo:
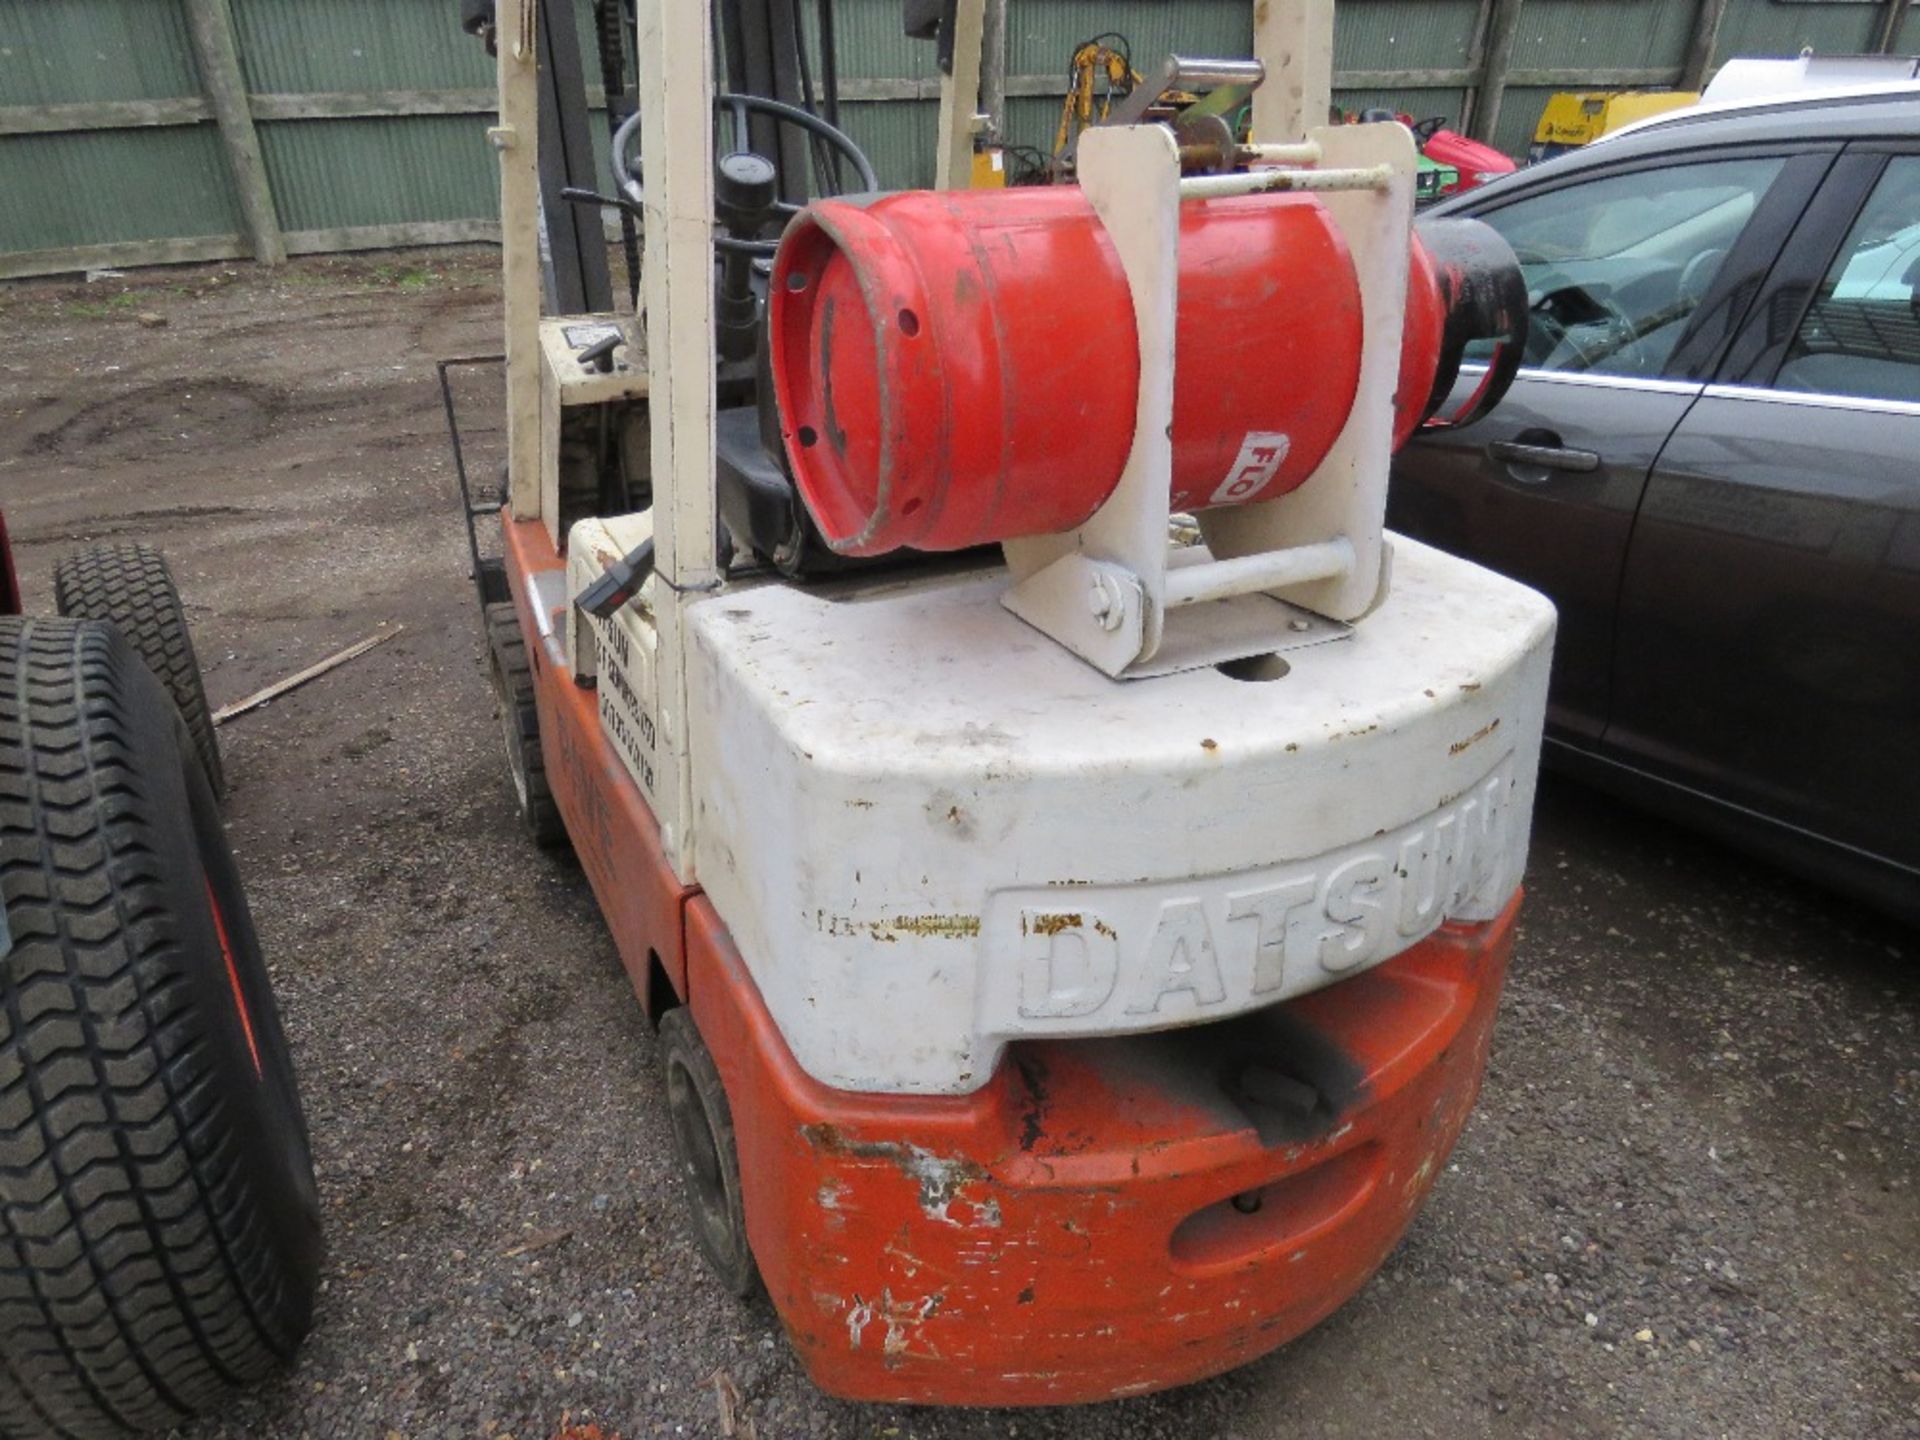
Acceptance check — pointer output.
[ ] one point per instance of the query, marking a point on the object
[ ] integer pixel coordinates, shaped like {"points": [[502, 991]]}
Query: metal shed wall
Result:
{"points": [[365, 117], [147, 179]]}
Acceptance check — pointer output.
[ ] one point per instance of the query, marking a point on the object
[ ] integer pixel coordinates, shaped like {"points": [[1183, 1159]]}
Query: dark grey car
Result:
{"points": [[1711, 462]]}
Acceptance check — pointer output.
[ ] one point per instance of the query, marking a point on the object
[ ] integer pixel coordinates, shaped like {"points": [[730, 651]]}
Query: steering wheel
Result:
{"points": [[1428, 128], [1560, 313], [626, 160]]}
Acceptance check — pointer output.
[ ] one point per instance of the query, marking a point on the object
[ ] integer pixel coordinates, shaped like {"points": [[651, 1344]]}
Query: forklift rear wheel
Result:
{"points": [[709, 1163], [159, 1226], [131, 586], [513, 697]]}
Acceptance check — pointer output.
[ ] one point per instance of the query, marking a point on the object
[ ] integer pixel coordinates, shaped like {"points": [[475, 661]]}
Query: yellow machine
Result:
{"points": [[989, 168], [1104, 55], [1573, 119], [1203, 101]]}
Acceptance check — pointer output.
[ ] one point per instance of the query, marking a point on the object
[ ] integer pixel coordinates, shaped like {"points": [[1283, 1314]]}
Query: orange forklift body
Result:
{"points": [[1099, 1220]]}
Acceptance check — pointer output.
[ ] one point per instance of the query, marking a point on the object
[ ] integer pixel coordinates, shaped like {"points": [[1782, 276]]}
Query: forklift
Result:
{"points": [[1069, 850]]}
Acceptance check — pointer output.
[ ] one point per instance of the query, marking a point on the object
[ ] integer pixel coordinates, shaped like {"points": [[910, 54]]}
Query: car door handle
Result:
{"points": [[1545, 457]]}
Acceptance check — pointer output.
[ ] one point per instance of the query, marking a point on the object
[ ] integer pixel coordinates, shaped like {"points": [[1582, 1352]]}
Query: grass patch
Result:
{"points": [[404, 277], [103, 309]]}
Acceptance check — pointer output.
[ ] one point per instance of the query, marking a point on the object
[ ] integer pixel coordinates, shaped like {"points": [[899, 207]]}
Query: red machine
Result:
{"points": [[1477, 163], [1474, 162]]}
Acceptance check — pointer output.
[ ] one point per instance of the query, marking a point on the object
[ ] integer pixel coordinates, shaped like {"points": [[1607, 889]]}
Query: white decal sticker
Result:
{"points": [[1261, 455]]}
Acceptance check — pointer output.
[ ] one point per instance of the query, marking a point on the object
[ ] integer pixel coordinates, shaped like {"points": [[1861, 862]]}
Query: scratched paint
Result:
{"points": [[940, 1179]]}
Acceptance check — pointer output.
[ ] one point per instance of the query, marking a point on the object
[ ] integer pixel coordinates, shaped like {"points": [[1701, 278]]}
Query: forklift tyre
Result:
{"points": [[709, 1162], [513, 698], [131, 586], [159, 1225]]}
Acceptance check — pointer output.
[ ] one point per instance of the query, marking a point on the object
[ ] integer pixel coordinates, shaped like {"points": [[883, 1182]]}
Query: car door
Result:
{"points": [[1635, 273], [1769, 643]]}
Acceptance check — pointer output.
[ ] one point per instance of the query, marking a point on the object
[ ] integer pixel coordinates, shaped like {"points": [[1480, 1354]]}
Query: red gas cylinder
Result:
{"points": [[959, 367]]}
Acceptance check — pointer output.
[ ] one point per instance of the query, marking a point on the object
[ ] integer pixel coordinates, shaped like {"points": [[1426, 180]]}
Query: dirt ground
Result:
{"points": [[1686, 1205]]}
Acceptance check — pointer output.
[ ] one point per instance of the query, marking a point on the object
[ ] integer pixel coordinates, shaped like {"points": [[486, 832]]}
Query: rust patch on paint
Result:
{"points": [[930, 927], [926, 927], [1053, 924], [1461, 746]]}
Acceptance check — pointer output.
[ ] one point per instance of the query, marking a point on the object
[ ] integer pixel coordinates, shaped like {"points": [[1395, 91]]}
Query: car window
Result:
{"points": [[1861, 335], [1615, 266]]}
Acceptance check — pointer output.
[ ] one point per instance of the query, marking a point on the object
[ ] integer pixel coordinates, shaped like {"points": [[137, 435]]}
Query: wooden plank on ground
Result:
{"points": [[300, 677]]}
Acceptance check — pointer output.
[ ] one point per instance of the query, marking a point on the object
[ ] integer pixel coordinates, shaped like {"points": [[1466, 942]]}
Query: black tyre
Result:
{"points": [[159, 1228], [519, 714], [131, 586], [709, 1163]]}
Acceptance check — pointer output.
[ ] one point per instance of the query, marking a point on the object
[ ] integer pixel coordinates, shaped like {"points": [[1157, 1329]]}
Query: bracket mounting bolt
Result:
{"points": [[1106, 603]]}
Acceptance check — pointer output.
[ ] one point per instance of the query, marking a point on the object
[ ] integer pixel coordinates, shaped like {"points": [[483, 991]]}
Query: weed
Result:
{"points": [[404, 278], [103, 309]]}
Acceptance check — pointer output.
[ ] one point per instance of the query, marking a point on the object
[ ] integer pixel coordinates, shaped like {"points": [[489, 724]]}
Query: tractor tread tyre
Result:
{"points": [[159, 1227], [130, 585], [709, 1158], [519, 711]]}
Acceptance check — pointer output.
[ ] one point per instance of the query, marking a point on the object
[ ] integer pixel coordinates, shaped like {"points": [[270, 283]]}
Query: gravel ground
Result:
{"points": [[1686, 1205]]}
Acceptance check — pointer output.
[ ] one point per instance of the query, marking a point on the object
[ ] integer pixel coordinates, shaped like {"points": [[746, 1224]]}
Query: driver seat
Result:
{"points": [[760, 504]]}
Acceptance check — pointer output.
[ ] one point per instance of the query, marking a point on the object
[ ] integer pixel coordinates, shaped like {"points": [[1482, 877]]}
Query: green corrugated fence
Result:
{"points": [[145, 131]]}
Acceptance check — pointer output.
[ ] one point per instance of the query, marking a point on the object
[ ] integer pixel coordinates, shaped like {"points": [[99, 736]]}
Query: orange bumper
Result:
{"points": [[1070, 1232], [1106, 1217]]}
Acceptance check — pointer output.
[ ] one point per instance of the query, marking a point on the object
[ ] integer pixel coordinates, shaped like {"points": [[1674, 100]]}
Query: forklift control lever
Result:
{"points": [[600, 353], [604, 597]]}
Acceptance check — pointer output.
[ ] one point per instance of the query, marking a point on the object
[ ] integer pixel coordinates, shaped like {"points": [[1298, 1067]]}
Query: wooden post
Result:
{"points": [[993, 69], [1706, 34], [1294, 40], [960, 99], [1476, 62], [218, 55], [1502, 29], [1888, 39]]}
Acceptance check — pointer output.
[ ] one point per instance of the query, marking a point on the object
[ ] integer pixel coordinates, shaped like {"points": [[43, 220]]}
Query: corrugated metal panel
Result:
{"points": [[55, 52], [1770, 27], [898, 136], [1520, 111], [871, 42], [1041, 37], [104, 186], [329, 173], [1418, 103], [1603, 34], [101, 186], [1387, 35], [301, 47], [1907, 40]]}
